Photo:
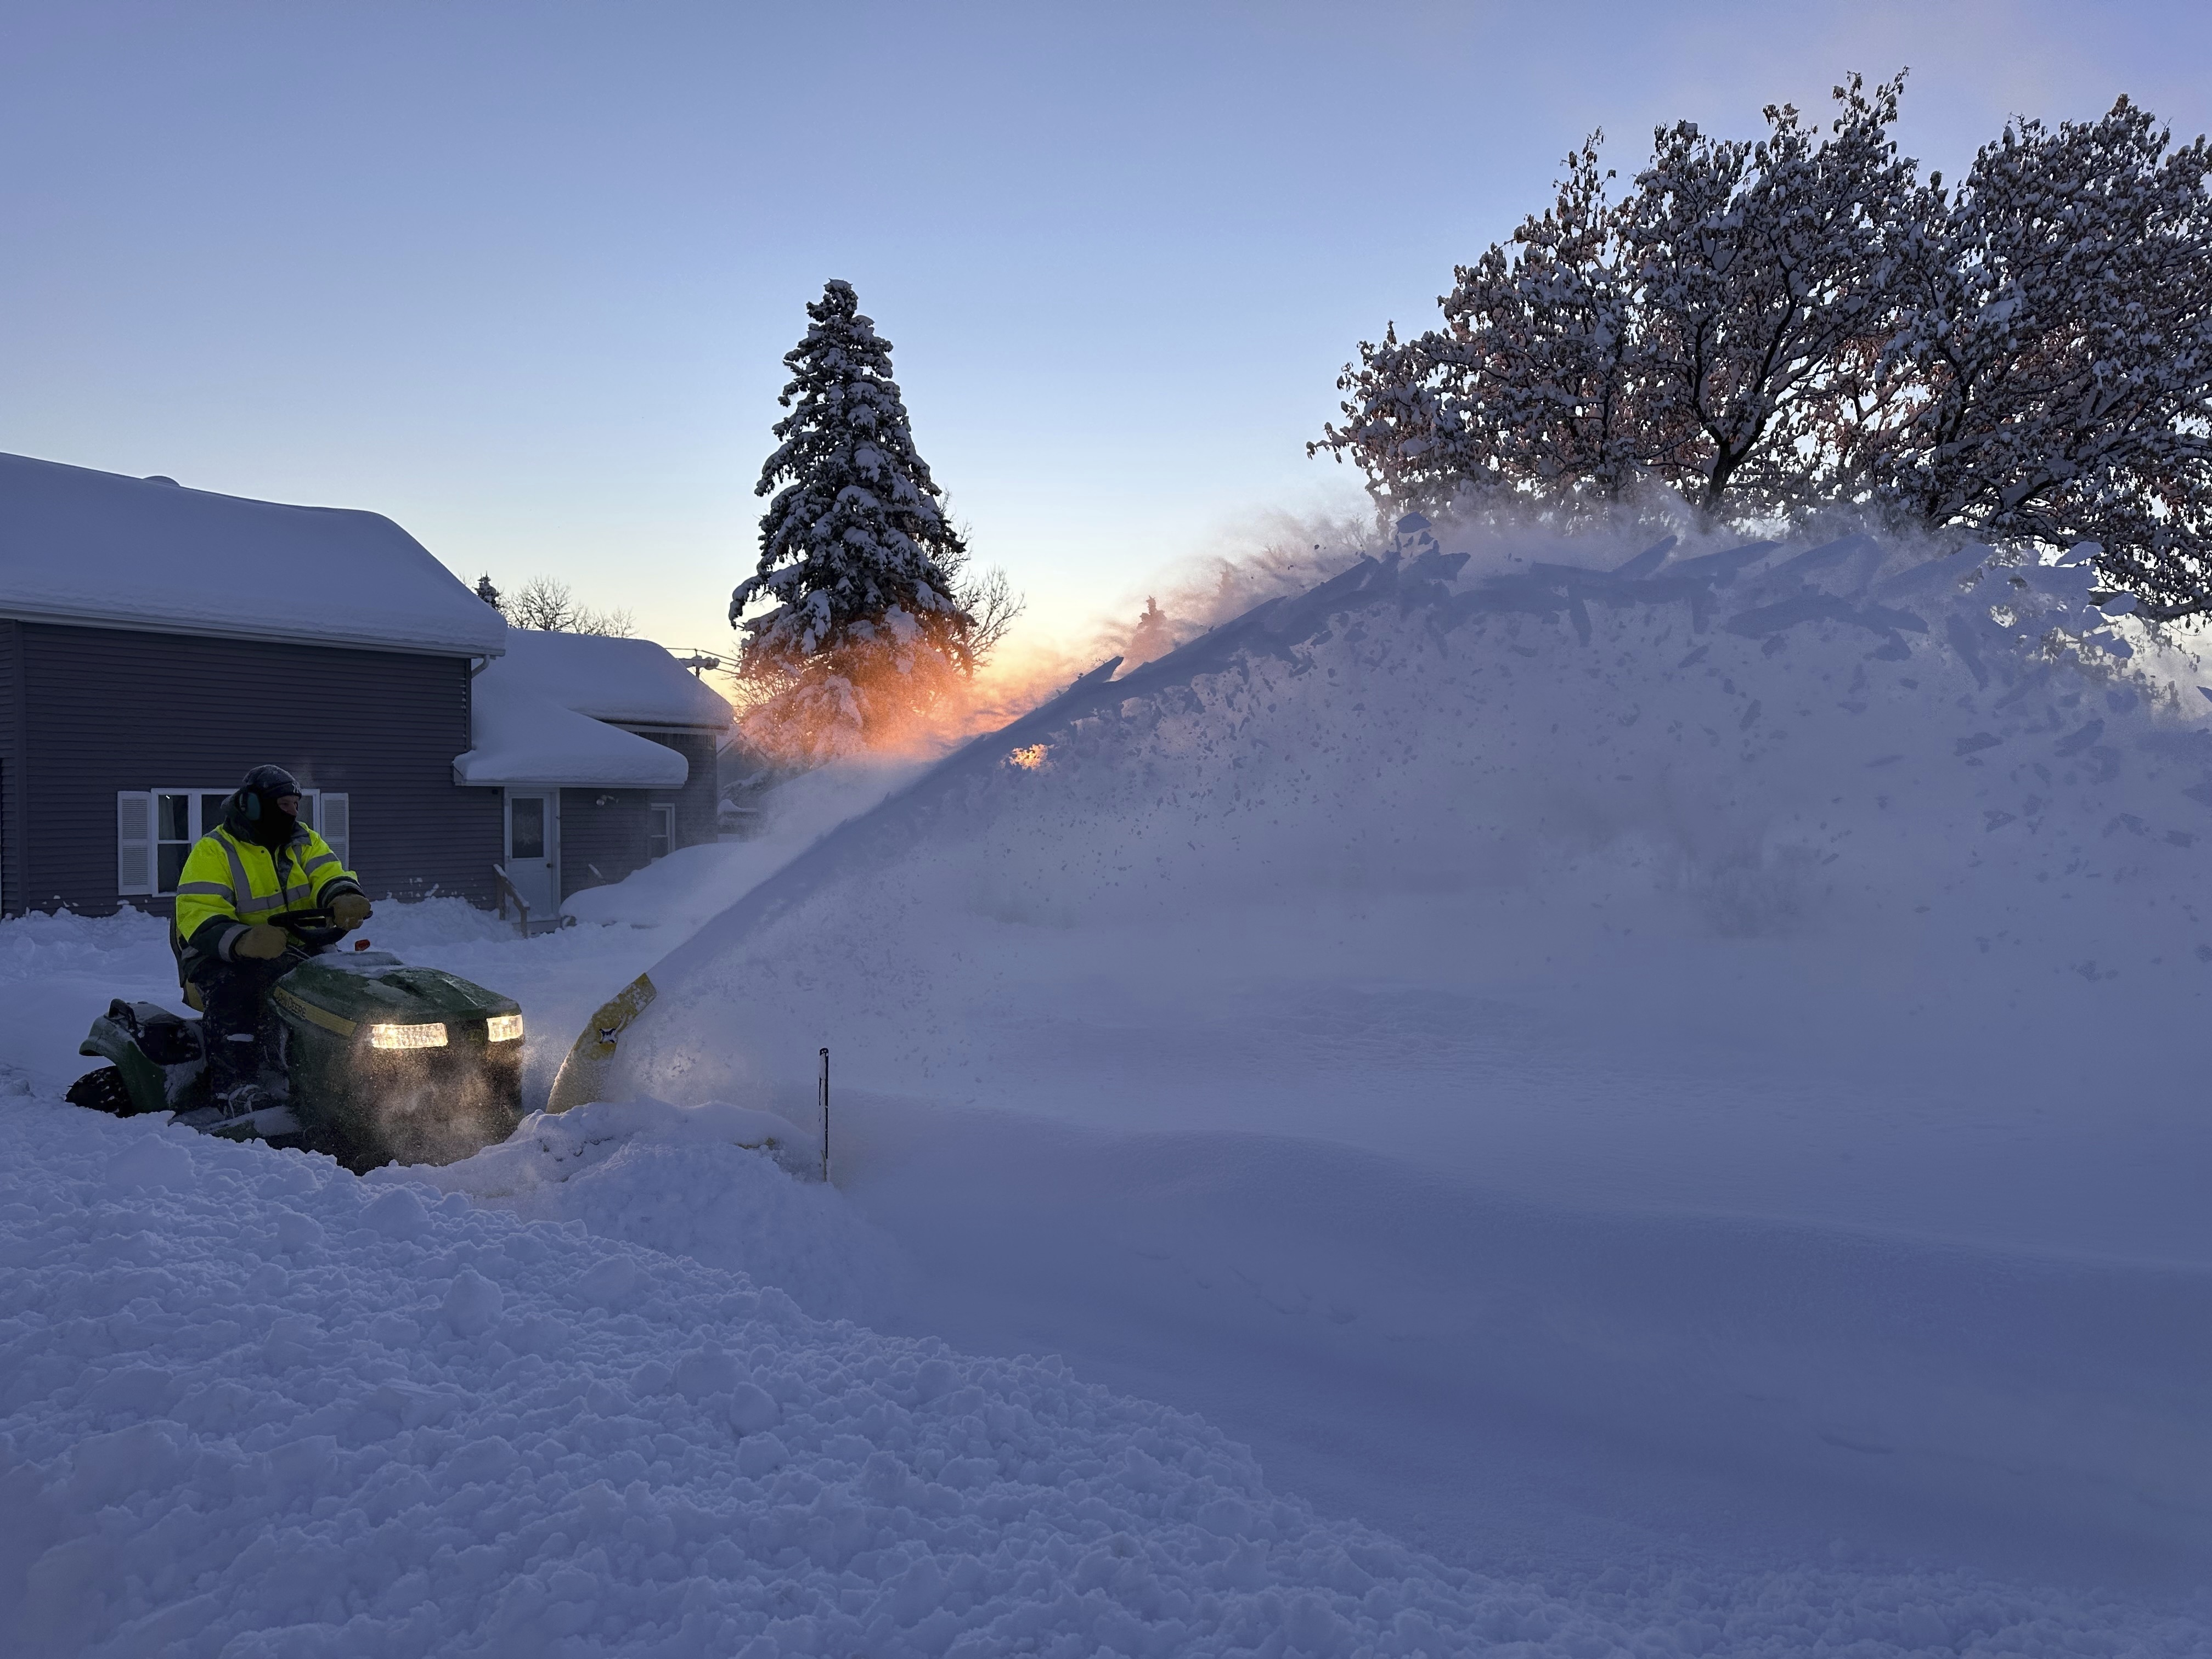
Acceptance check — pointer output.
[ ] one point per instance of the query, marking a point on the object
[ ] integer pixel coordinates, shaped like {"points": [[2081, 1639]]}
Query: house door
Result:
{"points": [[533, 851]]}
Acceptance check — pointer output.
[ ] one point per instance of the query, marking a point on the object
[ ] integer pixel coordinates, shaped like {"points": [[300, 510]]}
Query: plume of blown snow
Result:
{"points": [[1901, 760], [1275, 554]]}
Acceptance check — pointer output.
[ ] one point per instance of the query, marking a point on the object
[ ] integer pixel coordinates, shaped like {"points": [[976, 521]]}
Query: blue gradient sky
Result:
{"points": [[521, 276]]}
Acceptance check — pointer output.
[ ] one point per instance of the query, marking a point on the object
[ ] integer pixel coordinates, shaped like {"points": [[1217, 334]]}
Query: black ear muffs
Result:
{"points": [[249, 805]]}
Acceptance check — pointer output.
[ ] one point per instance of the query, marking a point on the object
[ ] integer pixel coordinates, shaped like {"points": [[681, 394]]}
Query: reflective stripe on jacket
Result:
{"points": [[227, 885]]}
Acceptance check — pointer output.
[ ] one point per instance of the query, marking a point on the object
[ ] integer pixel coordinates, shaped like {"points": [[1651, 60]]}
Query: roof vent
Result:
{"points": [[155, 478]]}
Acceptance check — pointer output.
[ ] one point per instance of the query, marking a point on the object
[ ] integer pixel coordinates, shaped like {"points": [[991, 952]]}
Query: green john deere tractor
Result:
{"points": [[364, 1058]]}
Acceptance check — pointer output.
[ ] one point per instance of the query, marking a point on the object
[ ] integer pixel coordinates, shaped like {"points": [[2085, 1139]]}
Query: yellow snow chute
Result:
{"points": [[584, 1071]]}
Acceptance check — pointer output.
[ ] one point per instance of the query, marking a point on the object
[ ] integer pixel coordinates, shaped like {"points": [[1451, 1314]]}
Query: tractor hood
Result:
{"points": [[343, 994]]}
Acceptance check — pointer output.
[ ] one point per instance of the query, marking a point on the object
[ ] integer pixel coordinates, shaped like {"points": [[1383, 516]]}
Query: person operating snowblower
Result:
{"points": [[238, 926]]}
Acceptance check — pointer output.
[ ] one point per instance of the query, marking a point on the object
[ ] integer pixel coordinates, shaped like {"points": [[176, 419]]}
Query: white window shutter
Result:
{"points": [[335, 813], [134, 843]]}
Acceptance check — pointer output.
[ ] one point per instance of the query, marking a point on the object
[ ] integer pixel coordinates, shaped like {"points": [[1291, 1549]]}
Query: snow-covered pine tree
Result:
{"points": [[865, 629], [489, 594]]}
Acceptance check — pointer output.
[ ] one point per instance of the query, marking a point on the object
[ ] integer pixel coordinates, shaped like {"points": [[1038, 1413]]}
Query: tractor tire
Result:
{"points": [[103, 1090]]}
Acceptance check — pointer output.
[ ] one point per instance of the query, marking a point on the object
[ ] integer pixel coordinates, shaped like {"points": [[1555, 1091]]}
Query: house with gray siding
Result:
{"points": [[605, 751], [156, 643]]}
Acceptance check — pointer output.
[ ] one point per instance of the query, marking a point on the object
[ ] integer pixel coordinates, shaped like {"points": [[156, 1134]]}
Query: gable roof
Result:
{"points": [[100, 549], [519, 737], [629, 682], [551, 711]]}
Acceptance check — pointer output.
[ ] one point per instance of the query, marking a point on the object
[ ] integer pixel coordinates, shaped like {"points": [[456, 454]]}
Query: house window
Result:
{"points": [[661, 832], [154, 829], [525, 818], [176, 827]]}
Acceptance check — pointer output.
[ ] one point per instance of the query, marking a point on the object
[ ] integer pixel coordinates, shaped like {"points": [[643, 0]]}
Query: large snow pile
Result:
{"points": [[1573, 1031], [1520, 840]]}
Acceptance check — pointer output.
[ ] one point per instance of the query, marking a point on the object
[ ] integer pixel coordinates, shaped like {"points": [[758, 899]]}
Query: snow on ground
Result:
{"points": [[689, 1181], [255, 1407], [1649, 1103], [250, 1406]]}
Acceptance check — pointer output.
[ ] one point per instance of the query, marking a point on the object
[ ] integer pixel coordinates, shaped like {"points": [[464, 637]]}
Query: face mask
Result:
{"points": [[269, 827]]}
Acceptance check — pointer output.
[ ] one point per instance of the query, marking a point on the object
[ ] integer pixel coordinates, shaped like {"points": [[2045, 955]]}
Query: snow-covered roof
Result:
{"points": [[629, 682], [102, 549], [523, 738]]}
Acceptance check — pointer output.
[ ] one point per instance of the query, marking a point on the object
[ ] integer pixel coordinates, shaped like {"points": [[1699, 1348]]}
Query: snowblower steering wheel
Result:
{"points": [[312, 928]]}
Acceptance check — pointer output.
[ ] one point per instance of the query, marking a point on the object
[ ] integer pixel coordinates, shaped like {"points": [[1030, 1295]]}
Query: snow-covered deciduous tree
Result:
{"points": [[1553, 349], [1687, 334], [1525, 396], [1756, 267], [864, 626], [2054, 351], [1779, 328]]}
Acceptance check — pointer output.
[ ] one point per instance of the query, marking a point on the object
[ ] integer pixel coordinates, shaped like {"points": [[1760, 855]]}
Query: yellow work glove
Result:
{"points": [[349, 909], [262, 943]]}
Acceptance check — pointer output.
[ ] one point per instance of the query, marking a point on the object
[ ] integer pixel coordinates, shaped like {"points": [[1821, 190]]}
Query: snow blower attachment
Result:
{"points": [[583, 1073], [364, 1058]]}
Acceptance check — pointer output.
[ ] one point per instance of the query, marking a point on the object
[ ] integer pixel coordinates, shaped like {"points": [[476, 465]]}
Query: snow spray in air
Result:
{"points": [[893, 707], [1734, 789]]}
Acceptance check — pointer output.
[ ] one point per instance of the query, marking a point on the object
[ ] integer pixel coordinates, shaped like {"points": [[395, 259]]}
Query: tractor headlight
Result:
{"points": [[503, 1028], [407, 1036]]}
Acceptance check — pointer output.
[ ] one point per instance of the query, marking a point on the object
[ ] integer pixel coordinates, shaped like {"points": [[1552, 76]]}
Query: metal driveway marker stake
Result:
{"points": [[825, 1117]]}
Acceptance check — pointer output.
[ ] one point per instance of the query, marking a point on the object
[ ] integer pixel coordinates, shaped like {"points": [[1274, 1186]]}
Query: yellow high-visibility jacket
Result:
{"points": [[230, 883]]}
